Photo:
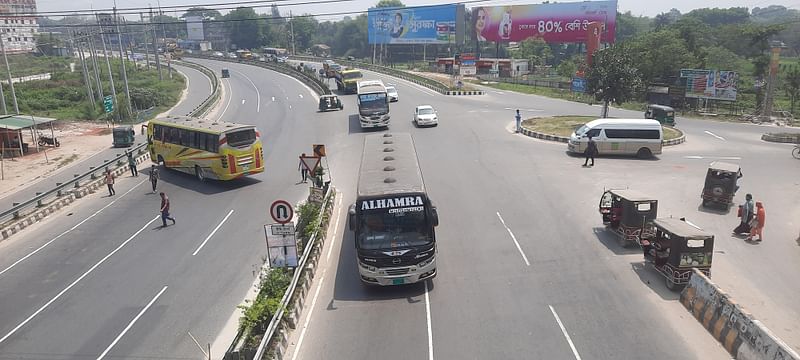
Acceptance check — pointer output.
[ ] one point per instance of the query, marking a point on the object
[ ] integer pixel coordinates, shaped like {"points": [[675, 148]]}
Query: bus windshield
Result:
{"points": [[382, 229], [370, 104]]}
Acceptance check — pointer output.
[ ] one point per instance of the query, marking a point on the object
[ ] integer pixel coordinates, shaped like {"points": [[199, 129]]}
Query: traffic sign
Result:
{"points": [[319, 150], [281, 211], [108, 103], [282, 229], [310, 162]]}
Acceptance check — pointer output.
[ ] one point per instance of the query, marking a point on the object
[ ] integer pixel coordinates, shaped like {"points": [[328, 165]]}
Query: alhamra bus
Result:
{"points": [[205, 149], [393, 219]]}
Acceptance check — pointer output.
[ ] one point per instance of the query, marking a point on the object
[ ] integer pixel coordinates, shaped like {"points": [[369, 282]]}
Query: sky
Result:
{"points": [[636, 7]]}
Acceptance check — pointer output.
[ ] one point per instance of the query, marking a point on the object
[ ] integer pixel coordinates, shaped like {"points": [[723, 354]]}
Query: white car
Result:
{"points": [[219, 54], [425, 115], [282, 59], [232, 55], [391, 92]]}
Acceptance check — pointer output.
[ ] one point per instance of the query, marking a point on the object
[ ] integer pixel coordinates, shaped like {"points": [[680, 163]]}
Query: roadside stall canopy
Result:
{"points": [[11, 127]]}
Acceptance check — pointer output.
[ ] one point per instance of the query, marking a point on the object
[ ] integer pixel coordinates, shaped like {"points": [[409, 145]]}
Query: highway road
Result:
{"points": [[198, 88]]}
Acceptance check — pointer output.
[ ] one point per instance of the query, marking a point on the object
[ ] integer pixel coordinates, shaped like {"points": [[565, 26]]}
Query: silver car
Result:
{"points": [[391, 92], [425, 115]]}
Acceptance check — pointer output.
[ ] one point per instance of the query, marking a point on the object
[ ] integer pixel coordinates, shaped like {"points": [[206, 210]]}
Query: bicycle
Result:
{"points": [[796, 151]]}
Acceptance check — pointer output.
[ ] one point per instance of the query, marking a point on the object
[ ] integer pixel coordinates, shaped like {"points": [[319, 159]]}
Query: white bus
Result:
{"points": [[373, 104], [640, 137], [393, 219]]}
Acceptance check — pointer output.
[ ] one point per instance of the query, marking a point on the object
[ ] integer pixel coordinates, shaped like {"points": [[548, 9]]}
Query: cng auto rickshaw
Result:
{"points": [[721, 183], [677, 247], [123, 136], [226, 73], [330, 102], [664, 114], [629, 214]]}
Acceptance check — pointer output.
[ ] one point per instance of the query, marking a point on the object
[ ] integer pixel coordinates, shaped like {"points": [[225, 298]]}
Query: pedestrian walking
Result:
{"points": [[132, 164], [590, 152], [303, 170], [757, 224], [165, 210], [110, 182], [154, 176], [518, 118], [746, 213]]}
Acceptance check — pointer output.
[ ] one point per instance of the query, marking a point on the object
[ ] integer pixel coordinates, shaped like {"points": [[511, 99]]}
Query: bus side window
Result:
{"points": [[201, 141]]}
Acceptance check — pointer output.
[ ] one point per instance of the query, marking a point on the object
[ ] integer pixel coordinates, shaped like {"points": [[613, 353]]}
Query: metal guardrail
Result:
{"points": [[277, 318], [17, 210]]}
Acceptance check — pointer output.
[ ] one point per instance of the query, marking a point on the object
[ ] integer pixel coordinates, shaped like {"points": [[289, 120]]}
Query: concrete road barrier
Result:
{"points": [[738, 331]]}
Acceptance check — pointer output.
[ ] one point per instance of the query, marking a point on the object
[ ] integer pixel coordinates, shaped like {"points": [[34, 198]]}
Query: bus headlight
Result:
{"points": [[425, 263], [369, 268]]}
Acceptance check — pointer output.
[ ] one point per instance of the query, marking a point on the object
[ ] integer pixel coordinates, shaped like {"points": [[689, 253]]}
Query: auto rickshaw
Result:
{"points": [[721, 183], [664, 114], [677, 247], [628, 213], [226, 73], [330, 102], [124, 136]]}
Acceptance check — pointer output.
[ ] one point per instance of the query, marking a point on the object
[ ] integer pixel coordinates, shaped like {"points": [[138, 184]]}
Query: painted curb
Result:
{"points": [[67, 198], [534, 134]]}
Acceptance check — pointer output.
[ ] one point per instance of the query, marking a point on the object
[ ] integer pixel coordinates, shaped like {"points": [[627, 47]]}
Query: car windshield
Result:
{"points": [[581, 130], [382, 229], [370, 103], [426, 111]]}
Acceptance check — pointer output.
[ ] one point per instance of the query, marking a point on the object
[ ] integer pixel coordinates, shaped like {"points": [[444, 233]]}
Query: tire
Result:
{"points": [[670, 284], [58, 144], [199, 174], [644, 153], [796, 152]]}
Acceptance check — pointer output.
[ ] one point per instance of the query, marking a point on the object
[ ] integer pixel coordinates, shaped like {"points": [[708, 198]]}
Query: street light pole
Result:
{"points": [[10, 82]]}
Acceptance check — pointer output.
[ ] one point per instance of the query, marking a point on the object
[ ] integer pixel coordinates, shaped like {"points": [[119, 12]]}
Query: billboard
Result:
{"points": [[710, 84], [194, 28], [554, 23], [412, 25]]}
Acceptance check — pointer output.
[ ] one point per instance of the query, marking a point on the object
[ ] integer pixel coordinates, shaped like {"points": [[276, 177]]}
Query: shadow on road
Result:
{"points": [[654, 280], [609, 240], [355, 126], [719, 210], [208, 187]]}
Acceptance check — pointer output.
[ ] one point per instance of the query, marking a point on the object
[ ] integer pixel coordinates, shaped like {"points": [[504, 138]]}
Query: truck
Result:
{"points": [[347, 80], [373, 104], [393, 218], [330, 68]]}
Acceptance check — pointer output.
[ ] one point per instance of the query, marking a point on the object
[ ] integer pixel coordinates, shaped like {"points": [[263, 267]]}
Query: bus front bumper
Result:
{"points": [[367, 122], [397, 276]]}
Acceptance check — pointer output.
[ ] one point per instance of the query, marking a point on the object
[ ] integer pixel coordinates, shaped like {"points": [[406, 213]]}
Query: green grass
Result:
{"points": [[26, 64], [565, 125]]}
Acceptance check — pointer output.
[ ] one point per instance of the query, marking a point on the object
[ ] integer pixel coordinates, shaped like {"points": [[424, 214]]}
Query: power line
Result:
{"points": [[136, 10]]}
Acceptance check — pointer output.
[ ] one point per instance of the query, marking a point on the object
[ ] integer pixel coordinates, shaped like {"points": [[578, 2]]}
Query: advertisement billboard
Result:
{"points": [[710, 84], [412, 25], [554, 23], [194, 28]]}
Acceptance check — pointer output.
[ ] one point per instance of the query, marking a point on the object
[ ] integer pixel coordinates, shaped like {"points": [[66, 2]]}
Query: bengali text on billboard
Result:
{"points": [[554, 23], [710, 84], [412, 25]]}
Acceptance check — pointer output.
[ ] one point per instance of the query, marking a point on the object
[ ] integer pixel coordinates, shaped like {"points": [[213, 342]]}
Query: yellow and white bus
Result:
{"points": [[205, 149]]}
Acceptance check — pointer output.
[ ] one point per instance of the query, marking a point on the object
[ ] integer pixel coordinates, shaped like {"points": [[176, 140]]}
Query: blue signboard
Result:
{"points": [[412, 25], [579, 85]]}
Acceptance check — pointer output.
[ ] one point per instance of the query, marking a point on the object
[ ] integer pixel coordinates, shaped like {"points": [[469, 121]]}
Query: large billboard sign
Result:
{"points": [[710, 84], [412, 25], [194, 28], [554, 23]]}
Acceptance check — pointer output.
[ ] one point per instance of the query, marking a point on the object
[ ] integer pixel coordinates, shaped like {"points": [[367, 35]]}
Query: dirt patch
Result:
{"points": [[79, 141]]}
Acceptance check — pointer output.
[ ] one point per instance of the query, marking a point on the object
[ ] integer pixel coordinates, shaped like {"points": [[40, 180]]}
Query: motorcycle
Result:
{"points": [[47, 140]]}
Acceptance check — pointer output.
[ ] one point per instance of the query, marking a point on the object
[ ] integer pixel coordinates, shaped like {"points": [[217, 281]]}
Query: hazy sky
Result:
{"points": [[637, 7]]}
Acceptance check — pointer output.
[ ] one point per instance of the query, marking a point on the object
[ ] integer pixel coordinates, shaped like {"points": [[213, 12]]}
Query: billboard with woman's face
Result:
{"points": [[412, 25], [554, 23]]}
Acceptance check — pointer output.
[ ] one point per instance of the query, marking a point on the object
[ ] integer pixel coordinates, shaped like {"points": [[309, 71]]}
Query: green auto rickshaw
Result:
{"points": [[664, 114], [124, 136], [226, 73]]}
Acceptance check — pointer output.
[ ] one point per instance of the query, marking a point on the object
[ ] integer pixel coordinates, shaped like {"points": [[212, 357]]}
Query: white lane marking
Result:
{"points": [[714, 135], [243, 101], [198, 344], [530, 110], [308, 318], [258, 93], [212, 233], [130, 325], [60, 294], [68, 230], [564, 331], [335, 231], [300, 95], [273, 98], [499, 92], [515, 240], [697, 157], [428, 316], [230, 98]]}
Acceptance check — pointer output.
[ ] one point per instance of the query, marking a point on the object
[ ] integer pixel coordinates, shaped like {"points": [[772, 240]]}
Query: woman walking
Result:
{"points": [[757, 225]]}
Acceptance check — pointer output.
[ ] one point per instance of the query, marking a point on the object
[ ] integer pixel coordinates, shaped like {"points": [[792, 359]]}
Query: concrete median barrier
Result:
{"points": [[738, 331]]}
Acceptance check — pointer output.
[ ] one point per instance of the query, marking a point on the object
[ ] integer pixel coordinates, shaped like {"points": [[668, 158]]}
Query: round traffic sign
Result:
{"points": [[281, 211]]}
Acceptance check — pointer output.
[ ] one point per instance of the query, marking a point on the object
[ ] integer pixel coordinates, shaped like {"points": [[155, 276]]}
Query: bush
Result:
{"points": [[259, 311]]}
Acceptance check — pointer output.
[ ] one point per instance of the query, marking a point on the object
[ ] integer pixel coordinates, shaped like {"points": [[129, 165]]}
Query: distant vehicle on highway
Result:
{"points": [[208, 150], [639, 137], [351, 58], [391, 91], [219, 54], [282, 59], [232, 55], [425, 115], [226, 73], [393, 219]]}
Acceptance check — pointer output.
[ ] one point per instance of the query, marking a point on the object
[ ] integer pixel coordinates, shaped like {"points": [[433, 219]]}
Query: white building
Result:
{"points": [[18, 25]]}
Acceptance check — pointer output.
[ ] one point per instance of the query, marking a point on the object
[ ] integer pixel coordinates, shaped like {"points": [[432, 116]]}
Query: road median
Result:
{"points": [[559, 129]]}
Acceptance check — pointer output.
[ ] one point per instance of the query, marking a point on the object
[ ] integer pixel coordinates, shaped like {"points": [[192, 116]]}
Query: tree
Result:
{"points": [[536, 50], [389, 3], [716, 16], [661, 55], [202, 12], [244, 28], [791, 85], [304, 29], [628, 25], [612, 77], [567, 68]]}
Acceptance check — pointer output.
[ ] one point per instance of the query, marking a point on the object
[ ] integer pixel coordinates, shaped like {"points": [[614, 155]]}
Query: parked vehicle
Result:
{"points": [[629, 214], [664, 114], [639, 137], [425, 115], [391, 91], [721, 183], [123, 136], [676, 248], [47, 140]]}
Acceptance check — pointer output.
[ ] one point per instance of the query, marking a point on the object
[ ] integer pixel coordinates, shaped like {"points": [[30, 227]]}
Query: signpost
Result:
{"points": [[281, 211], [310, 163], [281, 245], [319, 150], [108, 104]]}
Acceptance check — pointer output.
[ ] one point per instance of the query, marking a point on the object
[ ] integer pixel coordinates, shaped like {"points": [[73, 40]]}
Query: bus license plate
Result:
{"points": [[398, 281]]}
